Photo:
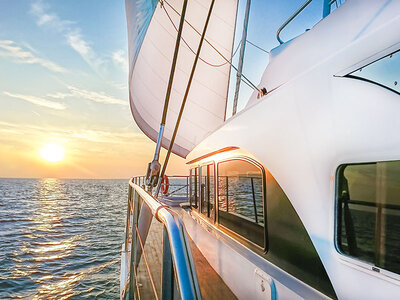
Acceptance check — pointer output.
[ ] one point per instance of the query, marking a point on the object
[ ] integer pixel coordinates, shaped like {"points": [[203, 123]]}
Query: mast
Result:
{"points": [[240, 66], [153, 168]]}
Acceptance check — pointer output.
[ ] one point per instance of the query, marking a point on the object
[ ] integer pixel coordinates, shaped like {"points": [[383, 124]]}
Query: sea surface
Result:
{"points": [[61, 238]]}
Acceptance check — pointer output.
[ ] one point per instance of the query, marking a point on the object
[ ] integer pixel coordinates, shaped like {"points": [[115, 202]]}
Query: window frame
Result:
{"points": [[353, 261], [230, 232], [380, 57], [241, 242], [200, 207], [196, 175]]}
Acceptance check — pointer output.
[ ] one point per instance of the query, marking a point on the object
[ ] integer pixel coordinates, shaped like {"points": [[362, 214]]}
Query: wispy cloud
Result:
{"points": [[118, 85], [83, 135], [96, 97], [37, 101], [59, 95], [80, 45], [44, 18], [88, 95], [72, 33], [10, 49], [76, 41], [120, 59]]}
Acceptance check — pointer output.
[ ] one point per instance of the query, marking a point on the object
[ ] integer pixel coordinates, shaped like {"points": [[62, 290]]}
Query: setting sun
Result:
{"points": [[52, 153]]}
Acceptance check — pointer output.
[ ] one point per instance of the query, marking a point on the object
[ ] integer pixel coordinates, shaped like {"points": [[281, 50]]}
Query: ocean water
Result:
{"points": [[61, 238]]}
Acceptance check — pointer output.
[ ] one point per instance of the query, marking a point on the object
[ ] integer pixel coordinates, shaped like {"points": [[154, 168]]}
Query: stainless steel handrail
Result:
{"points": [[326, 10], [290, 19], [184, 268]]}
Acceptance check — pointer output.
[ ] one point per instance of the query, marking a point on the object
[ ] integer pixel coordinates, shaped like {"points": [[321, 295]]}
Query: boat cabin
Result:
{"points": [[234, 194], [296, 196]]}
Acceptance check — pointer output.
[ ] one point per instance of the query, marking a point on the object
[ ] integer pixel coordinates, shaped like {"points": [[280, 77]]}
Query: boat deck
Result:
{"points": [[212, 287]]}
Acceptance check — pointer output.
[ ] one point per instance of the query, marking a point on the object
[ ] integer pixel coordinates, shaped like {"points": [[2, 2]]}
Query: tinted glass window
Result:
{"points": [[289, 245], [369, 213], [385, 71], [207, 191], [240, 199]]}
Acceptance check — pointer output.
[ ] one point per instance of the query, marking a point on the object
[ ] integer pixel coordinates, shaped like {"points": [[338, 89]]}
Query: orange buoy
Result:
{"points": [[165, 185]]}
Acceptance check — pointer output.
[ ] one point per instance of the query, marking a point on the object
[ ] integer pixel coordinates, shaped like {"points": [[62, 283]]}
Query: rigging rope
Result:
{"points": [[258, 47], [190, 48], [196, 59], [246, 81]]}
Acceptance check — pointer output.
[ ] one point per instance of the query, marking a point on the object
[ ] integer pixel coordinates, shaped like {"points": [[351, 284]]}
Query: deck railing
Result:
{"points": [[178, 186], [328, 7], [178, 277]]}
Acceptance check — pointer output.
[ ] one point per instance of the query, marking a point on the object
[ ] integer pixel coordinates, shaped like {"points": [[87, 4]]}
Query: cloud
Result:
{"points": [[37, 101], [76, 41], [78, 44], [59, 95], [120, 59], [89, 95], [72, 33], [44, 18], [80, 135], [96, 97], [10, 49], [118, 85]]}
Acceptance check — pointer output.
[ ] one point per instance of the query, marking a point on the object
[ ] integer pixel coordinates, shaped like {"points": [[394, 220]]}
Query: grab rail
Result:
{"points": [[290, 20], [177, 258], [326, 11]]}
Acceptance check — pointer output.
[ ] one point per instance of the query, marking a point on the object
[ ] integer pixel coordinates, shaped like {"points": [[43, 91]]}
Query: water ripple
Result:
{"points": [[60, 239]]}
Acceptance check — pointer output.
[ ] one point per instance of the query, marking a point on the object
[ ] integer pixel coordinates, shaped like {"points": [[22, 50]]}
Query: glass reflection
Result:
{"points": [[369, 213], [240, 199], [385, 72]]}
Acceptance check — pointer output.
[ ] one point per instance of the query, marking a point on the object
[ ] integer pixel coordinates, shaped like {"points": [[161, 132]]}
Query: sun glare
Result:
{"points": [[52, 153]]}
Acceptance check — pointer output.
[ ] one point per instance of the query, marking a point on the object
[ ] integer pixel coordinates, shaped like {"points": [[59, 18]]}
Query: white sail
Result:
{"points": [[150, 62]]}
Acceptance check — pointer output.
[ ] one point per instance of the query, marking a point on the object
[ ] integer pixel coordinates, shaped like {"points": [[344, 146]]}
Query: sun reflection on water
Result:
{"points": [[48, 216], [50, 207], [56, 244], [64, 288]]}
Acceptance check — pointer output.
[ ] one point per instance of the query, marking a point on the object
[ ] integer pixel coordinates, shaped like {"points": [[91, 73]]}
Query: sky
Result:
{"points": [[63, 81], [266, 16]]}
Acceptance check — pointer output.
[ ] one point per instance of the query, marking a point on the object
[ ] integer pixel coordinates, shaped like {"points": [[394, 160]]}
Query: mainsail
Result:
{"points": [[152, 31]]}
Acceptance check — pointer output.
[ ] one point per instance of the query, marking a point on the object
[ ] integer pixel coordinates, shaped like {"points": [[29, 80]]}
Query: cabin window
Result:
{"points": [[240, 199], [207, 194], [384, 72], [194, 187], [368, 225]]}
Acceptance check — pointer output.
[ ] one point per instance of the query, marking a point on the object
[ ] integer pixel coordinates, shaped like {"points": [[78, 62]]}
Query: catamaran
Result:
{"points": [[296, 196]]}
